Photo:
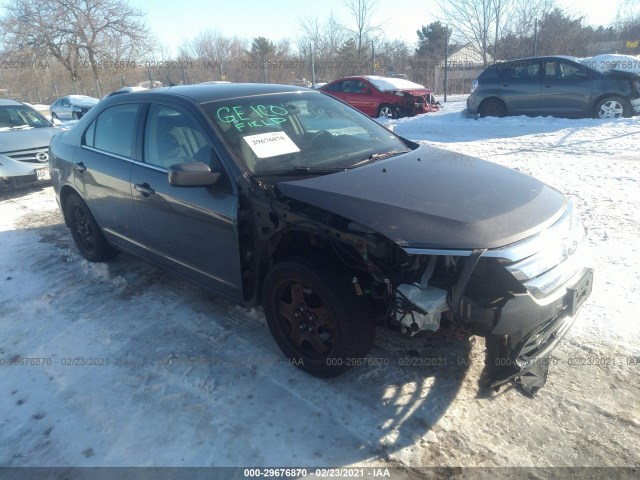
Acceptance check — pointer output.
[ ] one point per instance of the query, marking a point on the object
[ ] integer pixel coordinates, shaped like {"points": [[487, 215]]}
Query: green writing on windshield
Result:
{"points": [[253, 116]]}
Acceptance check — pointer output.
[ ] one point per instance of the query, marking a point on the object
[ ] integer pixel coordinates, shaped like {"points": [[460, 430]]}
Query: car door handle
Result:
{"points": [[144, 189], [79, 167]]}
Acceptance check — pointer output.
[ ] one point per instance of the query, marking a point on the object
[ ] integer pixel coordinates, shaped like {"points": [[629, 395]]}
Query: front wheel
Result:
{"points": [[318, 322], [612, 107], [86, 233], [387, 111]]}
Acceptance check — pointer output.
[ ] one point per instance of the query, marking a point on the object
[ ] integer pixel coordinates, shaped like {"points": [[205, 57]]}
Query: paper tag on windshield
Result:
{"points": [[271, 144]]}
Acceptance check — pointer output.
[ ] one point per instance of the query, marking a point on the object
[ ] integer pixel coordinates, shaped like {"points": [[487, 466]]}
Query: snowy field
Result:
{"points": [[121, 364]]}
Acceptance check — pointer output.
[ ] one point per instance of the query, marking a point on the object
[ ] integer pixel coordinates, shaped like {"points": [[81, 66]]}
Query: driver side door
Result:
{"points": [[190, 230]]}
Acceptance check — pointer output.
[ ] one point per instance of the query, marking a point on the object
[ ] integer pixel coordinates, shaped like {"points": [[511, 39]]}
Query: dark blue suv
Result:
{"points": [[557, 86]]}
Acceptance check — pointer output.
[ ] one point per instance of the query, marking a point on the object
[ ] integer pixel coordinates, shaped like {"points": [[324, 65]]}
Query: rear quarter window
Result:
{"points": [[489, 74]]}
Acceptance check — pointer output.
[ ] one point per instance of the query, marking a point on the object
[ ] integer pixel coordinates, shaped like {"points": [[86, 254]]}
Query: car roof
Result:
{"points": [[204, 93], [544, 57], [4, 101]]}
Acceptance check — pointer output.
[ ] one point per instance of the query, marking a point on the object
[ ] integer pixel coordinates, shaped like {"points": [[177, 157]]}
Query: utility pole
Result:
{"points": [[446, 60], [373, 59], [313, 66]]}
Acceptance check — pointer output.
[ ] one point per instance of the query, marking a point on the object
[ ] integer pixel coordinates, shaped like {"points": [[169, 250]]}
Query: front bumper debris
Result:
{"points": [[527, 364]]}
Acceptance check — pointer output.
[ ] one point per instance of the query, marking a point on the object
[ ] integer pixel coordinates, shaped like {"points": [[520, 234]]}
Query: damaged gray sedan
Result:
{"points": [[287, 198]]}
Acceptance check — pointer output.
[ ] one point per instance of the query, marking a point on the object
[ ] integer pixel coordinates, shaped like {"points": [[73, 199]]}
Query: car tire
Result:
{"points": [[54, 117], [385, 110], [612, 106], [492, 108], [86, 233], [318, 322], [75, 116]]}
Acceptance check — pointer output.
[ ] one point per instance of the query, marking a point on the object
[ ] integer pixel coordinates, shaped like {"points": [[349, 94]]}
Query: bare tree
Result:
{"points": [[97, 32], [476, 22], [362, 12]]}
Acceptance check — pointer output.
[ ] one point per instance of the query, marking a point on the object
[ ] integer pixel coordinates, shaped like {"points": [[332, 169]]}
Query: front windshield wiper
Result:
{"points": [[380, 156], [303, 171]]}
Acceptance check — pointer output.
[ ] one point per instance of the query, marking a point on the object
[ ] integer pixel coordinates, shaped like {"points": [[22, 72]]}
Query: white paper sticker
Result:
{"points": [[271, 144]]}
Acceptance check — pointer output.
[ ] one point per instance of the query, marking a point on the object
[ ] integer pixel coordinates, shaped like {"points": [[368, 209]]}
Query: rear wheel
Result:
{"points": [[492, 108], [75, 115], [86, 233], [318, 323], [54, 116], [613, 107]]}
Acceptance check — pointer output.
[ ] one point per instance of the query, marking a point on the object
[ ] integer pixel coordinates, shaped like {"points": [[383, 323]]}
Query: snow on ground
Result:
{"points": [[121, 364]]}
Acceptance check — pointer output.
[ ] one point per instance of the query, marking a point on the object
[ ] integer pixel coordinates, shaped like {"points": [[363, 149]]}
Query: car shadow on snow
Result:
{"points": [[226, 376]]}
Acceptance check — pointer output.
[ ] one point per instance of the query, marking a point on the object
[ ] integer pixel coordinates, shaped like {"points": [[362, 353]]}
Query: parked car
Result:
{"points": [[383, 96], [558, 86], [24, 143], [124, 90], [72, 107], [284, 197]]}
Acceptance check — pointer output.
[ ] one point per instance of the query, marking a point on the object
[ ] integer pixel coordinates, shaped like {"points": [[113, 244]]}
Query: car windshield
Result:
{"points": [[20, 117], [300, 132]]}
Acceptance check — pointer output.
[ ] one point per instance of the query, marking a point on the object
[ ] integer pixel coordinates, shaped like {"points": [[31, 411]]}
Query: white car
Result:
{"points": [[72, 107], [24, 145]]}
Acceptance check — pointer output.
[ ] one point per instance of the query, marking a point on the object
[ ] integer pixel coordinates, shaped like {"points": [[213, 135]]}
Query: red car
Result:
{"points": [[383, 96]]}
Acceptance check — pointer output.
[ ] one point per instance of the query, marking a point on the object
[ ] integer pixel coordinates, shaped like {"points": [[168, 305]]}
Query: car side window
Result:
{"points": [[112, 131], [520, 70], [571, 71], [336, 87], [172, 137], [354, 86], [550, 69]]}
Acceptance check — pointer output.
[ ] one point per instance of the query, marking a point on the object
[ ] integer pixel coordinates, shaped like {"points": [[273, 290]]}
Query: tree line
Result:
{"points": [[60, 47]]}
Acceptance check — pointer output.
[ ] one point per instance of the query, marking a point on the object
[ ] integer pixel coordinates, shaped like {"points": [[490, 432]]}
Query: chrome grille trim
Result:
{"points": [[28, 155]]}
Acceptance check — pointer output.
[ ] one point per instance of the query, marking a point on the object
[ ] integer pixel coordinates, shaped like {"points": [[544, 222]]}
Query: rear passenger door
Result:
{"points": [[102, 173], [521, 82], [192, 231]]}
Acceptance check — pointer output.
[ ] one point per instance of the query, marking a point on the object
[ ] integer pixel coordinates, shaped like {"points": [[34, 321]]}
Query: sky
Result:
{"points": [[279, 19]]}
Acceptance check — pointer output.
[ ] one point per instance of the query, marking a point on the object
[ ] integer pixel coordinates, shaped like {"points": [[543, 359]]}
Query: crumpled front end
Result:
{"points": [[523, 297], [416, 102]]}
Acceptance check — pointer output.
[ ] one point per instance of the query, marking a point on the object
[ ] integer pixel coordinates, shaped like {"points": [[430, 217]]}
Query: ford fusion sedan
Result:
{"points": [[557, 86], [284, 197], [72, 107], [24, 142], [383, 96]]}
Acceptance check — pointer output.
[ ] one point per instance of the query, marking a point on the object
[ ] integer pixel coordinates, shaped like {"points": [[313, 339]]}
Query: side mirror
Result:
{"points": [[192, 174]]}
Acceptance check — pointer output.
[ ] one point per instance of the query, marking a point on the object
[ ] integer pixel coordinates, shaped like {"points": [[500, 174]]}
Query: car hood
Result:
{"points": [[84, 103], [415, 92], [12, 140], [433, 198]]}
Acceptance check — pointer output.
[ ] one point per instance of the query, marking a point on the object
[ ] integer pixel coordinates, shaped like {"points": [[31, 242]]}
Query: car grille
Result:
{"points": [[30, 155], [548, 261]]}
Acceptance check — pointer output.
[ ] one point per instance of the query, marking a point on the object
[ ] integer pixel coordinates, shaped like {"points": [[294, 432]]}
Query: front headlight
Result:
{"points": [[474, 86]]}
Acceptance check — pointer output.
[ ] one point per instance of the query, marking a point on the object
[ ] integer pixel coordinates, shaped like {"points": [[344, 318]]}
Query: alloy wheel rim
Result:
{"points": [[83, 228], [306, 321], [611, 109]]}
